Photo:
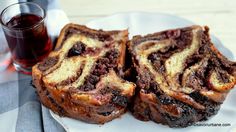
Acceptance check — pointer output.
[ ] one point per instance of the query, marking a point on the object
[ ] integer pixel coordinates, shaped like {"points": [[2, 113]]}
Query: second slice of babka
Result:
{"points": [[182, 77]]}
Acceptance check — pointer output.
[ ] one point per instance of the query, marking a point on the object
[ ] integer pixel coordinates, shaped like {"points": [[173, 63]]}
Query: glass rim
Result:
{"points": [[24, 28]]}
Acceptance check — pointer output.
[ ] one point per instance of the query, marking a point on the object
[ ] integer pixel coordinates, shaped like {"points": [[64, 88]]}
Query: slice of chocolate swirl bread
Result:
{"points": [[81, 79], [182, 77]]}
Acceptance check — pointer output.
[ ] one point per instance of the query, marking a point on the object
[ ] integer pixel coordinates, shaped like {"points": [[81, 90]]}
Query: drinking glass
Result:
{"points": [[26, 34]]}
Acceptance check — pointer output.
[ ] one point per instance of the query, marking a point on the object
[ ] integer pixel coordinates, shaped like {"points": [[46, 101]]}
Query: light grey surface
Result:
{"points": [[20, 109], [31, 116]]}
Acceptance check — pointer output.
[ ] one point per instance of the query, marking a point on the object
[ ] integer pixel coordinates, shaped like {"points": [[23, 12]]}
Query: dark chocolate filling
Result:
{"points": [[158, 58], [47, 63], [212, 107], [119, 100], [144, 79], [182, 40], [163, 98], [188, 116], [106, 90], [77, 49], [188, 113], [101, 67]]}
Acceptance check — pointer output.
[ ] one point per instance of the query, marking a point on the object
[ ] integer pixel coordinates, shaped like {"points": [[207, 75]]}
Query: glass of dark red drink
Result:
{"points": [[26, 34]]}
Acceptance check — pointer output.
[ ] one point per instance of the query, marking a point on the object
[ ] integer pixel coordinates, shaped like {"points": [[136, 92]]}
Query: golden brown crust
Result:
{"points": [[85, 29]]}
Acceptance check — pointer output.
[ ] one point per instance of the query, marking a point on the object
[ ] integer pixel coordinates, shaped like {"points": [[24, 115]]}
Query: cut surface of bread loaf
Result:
{"points": [[182, 77], [80, 78]]}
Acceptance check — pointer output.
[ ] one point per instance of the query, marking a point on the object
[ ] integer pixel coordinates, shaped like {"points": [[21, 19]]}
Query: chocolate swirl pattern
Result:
{"points": [[80, 78], [182, 78]]}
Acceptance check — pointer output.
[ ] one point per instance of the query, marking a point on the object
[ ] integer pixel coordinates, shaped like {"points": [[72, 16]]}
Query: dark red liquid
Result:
{"points": [[27, 39]]}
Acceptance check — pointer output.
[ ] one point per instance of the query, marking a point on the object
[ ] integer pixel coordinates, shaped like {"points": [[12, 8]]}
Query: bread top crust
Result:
{"points": [[182, 61], [78, 54]]}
